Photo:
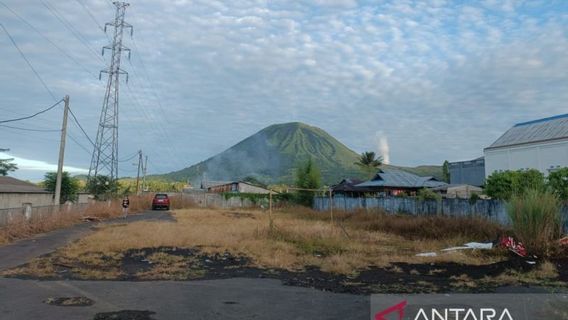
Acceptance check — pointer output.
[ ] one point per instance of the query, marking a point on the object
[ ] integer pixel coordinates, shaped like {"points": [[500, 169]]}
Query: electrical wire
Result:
{"points": [[80, 127], [33, 115], [28, 62], [49, 40], [26, 129], [128, 159]]}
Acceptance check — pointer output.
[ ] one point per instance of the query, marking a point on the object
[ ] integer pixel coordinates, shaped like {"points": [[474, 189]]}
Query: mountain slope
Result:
{"points": [[272, 154]]}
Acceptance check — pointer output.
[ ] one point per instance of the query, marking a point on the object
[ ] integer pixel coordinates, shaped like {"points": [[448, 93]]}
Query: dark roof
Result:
{"points": [[349, 185], [401, 179], [546, 129], [12, 185]]}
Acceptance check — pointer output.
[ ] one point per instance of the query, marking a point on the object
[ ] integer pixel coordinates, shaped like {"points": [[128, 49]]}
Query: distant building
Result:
{"points": [[349, 188], [237, 186], [463, 191], [470, 172], [16, 193], [539, 144], [395, 182]]}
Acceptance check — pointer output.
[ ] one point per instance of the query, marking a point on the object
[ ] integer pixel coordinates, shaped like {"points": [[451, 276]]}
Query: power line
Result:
{"points": [[29, 63], [79, 144], [70, 27], [80, 127], [33, 115], [26, 129], [49, 40], [130, 158]]}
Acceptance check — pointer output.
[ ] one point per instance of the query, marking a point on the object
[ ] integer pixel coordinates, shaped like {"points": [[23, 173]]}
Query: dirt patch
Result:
{"points": [[70, 302], [239, 215], [171, 263], [125, 315]]}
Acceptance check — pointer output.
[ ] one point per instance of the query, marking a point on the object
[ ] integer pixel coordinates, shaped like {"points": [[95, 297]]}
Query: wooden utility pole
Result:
{"points": [[331, 206], [138, 174], [144, 170], [270, 224], [57, 198]]}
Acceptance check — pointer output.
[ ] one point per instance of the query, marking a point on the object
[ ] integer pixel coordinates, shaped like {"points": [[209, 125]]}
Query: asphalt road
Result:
{"points": [[22, 251], [206, 299]]}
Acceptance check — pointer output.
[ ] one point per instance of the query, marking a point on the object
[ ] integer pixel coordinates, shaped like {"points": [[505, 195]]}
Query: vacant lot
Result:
{"points": [[360, 253]]}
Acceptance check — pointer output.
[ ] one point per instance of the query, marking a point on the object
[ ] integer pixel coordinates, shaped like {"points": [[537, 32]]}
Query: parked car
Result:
{"points": [[161, 201]]}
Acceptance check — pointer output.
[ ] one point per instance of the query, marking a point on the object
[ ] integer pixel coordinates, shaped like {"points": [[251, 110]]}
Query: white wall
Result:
{"points": [[541, 156], [17, 200]]}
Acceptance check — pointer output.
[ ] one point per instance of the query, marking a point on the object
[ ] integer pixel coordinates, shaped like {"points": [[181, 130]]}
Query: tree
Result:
{"points": [[446, 171], [558, 183], [369, 162], [308, 176], [503, 185], [102, 187], [6, 166], [69, 185]]}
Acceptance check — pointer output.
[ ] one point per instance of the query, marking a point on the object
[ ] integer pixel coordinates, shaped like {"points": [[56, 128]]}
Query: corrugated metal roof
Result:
{"points": [[546, 129], [400, 179], [12, 185]]}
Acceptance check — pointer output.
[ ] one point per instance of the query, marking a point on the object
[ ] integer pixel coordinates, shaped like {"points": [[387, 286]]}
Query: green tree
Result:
{"points": [[446, 171], [69, 185], [503, 185], [6, 166], [308, 176], [558, 183], [102, 187], [369, 162]]}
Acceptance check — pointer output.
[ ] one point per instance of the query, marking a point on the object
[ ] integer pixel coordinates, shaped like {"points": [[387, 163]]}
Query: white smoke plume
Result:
{"points": [[383, 146]]}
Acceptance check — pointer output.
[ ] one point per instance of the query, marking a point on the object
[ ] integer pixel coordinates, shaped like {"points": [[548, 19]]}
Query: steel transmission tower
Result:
{"points": [[105, 155]]}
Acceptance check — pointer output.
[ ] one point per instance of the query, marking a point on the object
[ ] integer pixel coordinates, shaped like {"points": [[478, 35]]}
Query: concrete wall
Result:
{"points": [[468, 172], [544, 157], [17, 200]]}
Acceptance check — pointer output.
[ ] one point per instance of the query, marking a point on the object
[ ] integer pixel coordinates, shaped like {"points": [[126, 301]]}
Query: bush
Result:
{"points": [[536, 219], [427, 194], [558, 183], [503, 185], [308, 176]]}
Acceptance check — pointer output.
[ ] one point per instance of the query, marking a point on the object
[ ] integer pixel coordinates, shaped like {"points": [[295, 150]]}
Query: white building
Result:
{"points": [[16, 193], [539, 144]]}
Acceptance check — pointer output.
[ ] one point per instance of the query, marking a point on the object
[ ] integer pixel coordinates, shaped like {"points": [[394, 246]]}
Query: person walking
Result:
{"points": [[125, 205]]}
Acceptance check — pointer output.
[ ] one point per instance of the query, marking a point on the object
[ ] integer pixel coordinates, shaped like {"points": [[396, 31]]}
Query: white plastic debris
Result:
{"points": [[427, 254], [471, 245]]}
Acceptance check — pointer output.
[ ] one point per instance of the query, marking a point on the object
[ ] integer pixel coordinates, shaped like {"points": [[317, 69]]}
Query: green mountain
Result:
{"points": [[272, 154]]}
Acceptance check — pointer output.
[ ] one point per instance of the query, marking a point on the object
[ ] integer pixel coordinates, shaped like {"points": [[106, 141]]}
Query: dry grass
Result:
{"points": [[21, 228], [293, 243]]}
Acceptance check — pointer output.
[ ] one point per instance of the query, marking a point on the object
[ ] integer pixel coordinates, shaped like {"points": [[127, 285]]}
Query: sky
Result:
{"points": [[417, 81]]}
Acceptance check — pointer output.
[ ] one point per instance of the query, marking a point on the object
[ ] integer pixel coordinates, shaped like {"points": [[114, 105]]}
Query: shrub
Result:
{"points": [[536, 220], [558, 183], [308, 176], [427, 194], [503, 185]]}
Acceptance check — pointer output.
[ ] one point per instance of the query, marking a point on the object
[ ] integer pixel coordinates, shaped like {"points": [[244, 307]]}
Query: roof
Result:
{"points": [[12, 185], [457, 186], [349, 185], [401, 179], [546, 129]]}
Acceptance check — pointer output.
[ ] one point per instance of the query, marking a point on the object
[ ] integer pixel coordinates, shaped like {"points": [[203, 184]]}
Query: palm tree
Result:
{"points": [[369, 162]]}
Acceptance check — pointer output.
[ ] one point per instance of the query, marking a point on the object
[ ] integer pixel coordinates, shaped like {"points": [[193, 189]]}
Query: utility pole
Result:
{"points": [[57, 198], [144, 170], [104, 160], [138, 174]]}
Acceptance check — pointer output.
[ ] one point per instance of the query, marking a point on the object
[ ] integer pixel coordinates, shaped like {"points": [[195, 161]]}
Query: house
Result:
{"points": [[470, 172], [348, 187], [16, 193], [237, 186], [539, 144], [394, 182], [464, 191]]}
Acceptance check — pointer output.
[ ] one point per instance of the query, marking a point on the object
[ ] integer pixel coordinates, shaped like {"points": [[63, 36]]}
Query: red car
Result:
{"points": [[161, 201]]}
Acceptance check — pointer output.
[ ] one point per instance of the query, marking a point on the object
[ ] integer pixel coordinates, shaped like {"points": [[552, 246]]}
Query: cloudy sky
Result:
{"points": [[433, 80]]}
